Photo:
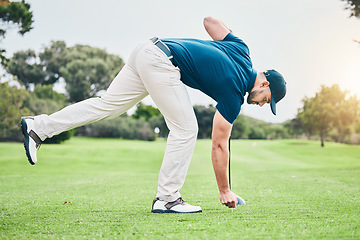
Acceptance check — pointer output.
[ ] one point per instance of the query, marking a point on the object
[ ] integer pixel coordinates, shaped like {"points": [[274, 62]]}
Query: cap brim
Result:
{"points": [[273, 106]]}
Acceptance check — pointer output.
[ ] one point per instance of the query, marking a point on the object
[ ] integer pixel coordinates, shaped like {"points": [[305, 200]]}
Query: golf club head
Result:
{"points": [[240, 201]]}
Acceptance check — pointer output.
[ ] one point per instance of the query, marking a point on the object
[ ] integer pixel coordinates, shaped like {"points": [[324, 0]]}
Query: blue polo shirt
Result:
{"points": [[220, 69]]}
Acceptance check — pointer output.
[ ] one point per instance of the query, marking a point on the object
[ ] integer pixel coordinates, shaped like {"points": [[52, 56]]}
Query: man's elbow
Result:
{"points": [[219, 145], [208, 21]]}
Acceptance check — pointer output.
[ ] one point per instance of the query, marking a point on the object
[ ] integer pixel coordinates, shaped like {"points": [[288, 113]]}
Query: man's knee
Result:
{"points": [[189, 132], [193, 130]]}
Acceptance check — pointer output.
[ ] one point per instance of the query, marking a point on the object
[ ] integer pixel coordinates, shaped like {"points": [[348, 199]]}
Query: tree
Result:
{"points": [[204, 117], [295, 127], [24, 66], [276, 131], [38, 69], [241, 127], [86, 70], [305, 114], [45, 100], [153, 117], [347, 114], [11, 110], [257, 133], [52, 59], [354, 7], [330, 108], [47, 93], [320, 112], [357, 125], [145, 111], [14, 13], [15, 103], [122, 127]]}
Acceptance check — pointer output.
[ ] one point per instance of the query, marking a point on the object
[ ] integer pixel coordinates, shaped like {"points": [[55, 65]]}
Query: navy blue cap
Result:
{"points": [[277, 87]]}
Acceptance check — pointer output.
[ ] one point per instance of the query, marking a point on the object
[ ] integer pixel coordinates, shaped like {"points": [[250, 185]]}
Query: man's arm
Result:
{"points": [[215, 28], [220, 158]]}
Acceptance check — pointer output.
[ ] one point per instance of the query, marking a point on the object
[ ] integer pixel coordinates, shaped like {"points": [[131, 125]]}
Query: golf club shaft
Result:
{"points": [[229, 165]]}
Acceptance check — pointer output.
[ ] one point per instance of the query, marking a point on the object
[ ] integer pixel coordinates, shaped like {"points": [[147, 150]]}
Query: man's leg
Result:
{"points": [[162, 81], [125, 91]]}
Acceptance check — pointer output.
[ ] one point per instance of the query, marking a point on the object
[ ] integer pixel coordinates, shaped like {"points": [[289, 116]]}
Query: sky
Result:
{"points": [[310, 42]]}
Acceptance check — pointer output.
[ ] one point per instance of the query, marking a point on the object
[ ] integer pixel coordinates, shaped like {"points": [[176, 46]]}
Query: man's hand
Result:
{"points": [[220, 158], [215, 28], [229, 199]]}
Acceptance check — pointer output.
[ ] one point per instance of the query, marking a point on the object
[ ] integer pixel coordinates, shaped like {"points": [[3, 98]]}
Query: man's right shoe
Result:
{"points": [[177, 206], [32, 141]]}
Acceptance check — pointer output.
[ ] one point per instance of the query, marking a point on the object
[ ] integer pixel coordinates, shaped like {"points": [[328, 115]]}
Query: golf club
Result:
{"points": [[229, 171]]}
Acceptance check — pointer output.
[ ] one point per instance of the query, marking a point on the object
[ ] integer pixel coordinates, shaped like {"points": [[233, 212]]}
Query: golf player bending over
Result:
{"points": [[161, 68]]}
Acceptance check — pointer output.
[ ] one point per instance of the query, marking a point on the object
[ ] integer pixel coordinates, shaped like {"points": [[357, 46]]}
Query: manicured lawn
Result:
{"points": [[103, 188]]}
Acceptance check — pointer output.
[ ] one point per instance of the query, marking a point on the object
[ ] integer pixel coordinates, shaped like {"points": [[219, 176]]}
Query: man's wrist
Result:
{"points": [[224, 191]]}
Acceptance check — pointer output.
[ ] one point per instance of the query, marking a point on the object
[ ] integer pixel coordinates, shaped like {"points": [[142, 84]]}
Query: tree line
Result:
{"points": [[331, 115], [16, 102]]}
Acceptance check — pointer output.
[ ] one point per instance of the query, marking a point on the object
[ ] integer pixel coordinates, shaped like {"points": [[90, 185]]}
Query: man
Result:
{"points": [[220, 68]]}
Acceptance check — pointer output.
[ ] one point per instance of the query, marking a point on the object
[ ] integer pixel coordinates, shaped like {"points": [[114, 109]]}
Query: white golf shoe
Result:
{"points": [[178, 206], [32, 141]]}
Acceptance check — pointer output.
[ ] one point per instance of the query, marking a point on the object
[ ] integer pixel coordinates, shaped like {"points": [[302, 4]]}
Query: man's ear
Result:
{"points": [[264, 84]]}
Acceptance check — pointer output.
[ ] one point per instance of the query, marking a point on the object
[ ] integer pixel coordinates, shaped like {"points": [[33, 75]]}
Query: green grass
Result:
{"points": [[294, 190]]}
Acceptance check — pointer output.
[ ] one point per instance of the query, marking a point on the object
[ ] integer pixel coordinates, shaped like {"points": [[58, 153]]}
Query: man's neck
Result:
{"points": [[260, 77]]}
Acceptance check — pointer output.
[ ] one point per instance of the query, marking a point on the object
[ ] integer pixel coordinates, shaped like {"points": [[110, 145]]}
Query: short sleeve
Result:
{"points": [[237, 43], [229, 110], [232, 38]]}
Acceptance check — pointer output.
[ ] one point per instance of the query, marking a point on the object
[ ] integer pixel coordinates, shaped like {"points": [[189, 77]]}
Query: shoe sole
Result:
{"points": [[171, 211], [27, 140]]}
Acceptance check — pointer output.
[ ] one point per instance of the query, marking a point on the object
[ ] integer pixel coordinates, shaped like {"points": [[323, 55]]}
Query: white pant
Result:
{"points": [[148, 71]]}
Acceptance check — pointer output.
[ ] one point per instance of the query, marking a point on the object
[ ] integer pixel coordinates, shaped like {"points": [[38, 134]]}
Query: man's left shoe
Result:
{"points": [[32, 141], [177, 206]]}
